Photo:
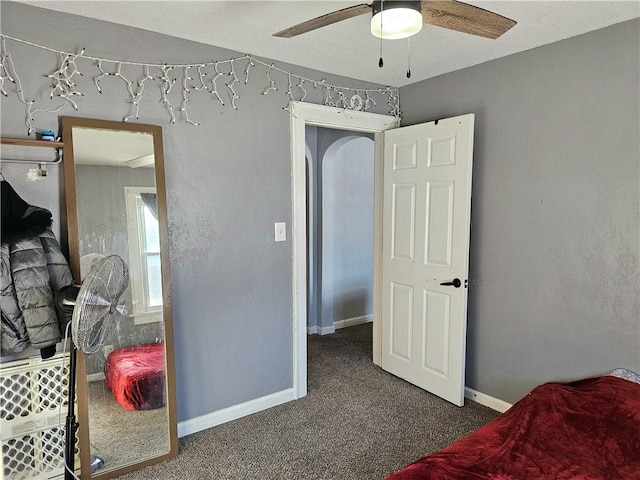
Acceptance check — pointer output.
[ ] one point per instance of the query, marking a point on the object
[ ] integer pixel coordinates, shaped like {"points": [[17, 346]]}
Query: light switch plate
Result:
{"points": [[280, 231]]}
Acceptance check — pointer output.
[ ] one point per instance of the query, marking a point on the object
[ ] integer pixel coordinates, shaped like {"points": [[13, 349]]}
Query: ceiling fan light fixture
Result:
{"points": [[393, 20]]}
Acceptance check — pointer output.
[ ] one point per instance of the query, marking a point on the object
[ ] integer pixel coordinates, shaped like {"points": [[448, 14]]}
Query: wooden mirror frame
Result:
{"points": [[67, 124]]}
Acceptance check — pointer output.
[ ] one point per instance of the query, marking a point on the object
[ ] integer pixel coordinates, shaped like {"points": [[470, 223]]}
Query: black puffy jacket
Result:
{"points": [[32, 270]]}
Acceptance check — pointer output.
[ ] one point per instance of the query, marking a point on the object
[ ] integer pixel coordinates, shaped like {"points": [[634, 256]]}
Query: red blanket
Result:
{"points": [[135, 375], [584, 430]]}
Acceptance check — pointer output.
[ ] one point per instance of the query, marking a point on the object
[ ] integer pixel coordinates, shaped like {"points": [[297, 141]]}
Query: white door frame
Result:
{"points": [[301, 115]]}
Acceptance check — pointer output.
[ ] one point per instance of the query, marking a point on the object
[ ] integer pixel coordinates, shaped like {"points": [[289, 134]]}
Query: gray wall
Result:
{"points": [[100, 195], [228, 181], [554, 282], [347, 230], [340, 261], [314, 226]]}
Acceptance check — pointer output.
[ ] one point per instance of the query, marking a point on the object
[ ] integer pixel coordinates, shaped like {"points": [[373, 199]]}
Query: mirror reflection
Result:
{"points": [[117, 213]]}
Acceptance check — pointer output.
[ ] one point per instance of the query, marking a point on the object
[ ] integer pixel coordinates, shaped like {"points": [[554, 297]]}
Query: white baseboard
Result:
{"points": [[326, 330], [487, 400], [352, 322], [316, 329], [234, 412], [347, 322]]}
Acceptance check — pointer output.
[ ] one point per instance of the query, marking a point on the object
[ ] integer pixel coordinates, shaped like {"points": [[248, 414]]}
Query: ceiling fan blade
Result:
{"points": [[465, 18], [324, 20]]}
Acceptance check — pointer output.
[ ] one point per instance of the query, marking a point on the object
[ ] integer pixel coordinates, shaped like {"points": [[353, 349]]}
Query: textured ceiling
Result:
{"points": [[348, 48]]}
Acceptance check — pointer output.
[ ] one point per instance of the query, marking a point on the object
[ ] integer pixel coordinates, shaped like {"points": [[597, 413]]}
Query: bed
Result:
{"points": [[136, 375], [587, 430]]}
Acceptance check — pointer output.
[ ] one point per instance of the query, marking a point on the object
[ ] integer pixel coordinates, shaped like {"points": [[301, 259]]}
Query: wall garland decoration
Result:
{"points": [[219, 78]]}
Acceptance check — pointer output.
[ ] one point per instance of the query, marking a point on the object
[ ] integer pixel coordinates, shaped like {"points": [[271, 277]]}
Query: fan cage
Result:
{"points": [[97, 301], [33, 408]]}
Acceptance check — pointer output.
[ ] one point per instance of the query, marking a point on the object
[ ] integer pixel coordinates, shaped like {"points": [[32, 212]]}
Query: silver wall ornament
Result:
{"points": [[356, 102]]}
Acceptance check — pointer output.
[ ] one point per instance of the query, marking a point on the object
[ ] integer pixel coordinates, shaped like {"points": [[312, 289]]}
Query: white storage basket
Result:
{"points": [[33, 411]]}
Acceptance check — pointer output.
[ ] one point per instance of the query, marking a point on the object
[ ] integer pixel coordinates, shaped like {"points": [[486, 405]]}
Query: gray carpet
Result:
{"points": [[357, 422], [120, 437]]}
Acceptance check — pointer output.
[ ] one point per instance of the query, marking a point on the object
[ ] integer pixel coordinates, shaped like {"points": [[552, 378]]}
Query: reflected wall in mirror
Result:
{"points": [[116, 204]]}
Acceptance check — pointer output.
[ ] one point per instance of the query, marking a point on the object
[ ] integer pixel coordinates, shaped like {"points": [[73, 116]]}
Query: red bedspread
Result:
{"points": [[586, 430], [135, 375]]}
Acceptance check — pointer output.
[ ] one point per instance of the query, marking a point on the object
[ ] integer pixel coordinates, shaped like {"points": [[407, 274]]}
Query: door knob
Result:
{"points": [[455, 283]]}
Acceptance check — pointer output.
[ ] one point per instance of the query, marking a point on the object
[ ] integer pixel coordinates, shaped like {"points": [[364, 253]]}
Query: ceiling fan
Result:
{"points": [[394, 19]]}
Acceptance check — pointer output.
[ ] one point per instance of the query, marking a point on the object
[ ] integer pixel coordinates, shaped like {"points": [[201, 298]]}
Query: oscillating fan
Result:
{"points": [[95, 305]]}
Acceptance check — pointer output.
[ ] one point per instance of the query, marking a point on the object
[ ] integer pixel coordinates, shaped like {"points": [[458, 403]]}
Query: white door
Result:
{"points": [[425, 253]]}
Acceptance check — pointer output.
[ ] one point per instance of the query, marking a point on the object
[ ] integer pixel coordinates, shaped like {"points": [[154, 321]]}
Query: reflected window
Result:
{"points": [[144, 244]]}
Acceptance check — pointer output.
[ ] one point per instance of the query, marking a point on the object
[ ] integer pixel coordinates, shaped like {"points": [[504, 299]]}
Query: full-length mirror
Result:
{"points": [[116, 204]]}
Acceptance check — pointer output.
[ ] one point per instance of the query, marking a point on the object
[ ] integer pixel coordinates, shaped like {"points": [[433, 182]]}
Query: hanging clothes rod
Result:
{"points": [[28, 142], [41, 170], [30, 162]]}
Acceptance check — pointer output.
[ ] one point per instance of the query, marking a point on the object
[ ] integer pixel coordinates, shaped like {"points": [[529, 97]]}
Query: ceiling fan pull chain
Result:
{"points": [[409, 57], [380, 62]]}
